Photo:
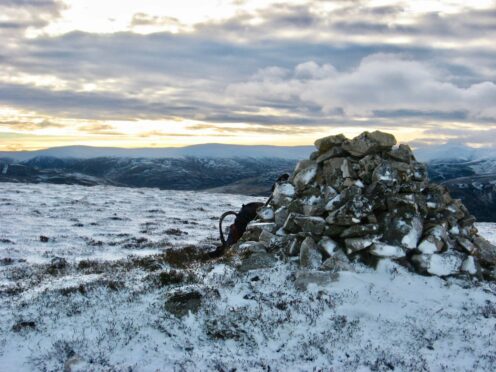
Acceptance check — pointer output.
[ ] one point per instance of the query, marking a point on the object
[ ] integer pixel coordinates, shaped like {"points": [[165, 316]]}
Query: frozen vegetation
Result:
{"points": [[89, 281]]}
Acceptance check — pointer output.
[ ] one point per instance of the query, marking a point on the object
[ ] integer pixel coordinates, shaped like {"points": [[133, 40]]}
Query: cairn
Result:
{"points": [[367, 198]]}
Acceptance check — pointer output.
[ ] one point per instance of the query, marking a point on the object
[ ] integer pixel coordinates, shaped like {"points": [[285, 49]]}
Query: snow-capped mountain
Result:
{"points": [[453, 151], [166, 173], [89, 281], [209, 150]]}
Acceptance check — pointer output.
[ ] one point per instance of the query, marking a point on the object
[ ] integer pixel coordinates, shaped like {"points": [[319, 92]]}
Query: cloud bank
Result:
{"points": [[314, 64]]}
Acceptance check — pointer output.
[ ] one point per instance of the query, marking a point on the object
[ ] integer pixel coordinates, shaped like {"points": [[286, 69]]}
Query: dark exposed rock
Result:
{"points": [[486, 251], [180, 303], [24, 325]]}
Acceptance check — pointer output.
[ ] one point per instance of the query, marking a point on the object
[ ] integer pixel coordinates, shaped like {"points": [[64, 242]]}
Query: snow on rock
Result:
{"points": [[469, 265], [439, 264], [362, 191], [328, 245], [305, 176], [386, 250]]}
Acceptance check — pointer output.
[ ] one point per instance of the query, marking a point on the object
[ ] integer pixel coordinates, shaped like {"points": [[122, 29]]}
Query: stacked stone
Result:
{"points": [[368, 198]]}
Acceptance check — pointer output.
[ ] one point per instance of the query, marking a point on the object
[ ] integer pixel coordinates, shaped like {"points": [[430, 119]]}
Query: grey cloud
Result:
{"points": [[221, 72], [380, 83]]}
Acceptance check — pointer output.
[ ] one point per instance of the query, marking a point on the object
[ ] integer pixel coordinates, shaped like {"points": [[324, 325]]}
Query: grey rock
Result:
{"points": [[352, 212], [249, 247], [310, 224], [303, 164], [486, 252], [280, 216], [402, 153], [386, 251], [290, 225], [357, 231], [466, 245], [326, 143], [255, 261], [367, 166], [267, 238], [385, 174], [328, 246], [310, 256], [334, 152], [258, 227], [305, 177], [283, 194], [266, 213], [313, 206], [358, 244], [402, 230], [444, 264], [304, 279], [337, 262], [369, 143], [385, 140], [333, 174], [293, 247]]}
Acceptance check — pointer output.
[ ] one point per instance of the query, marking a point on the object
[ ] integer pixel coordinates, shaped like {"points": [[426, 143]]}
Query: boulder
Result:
{"points": [[328, 246], [305, 176], [337, 262], [439, 264], [256, 261], [358, 244], [310, 256], [326, 143], [402, 230], [369, 143], [387, 251], [486, 251], [305, 279], [402, 153]]}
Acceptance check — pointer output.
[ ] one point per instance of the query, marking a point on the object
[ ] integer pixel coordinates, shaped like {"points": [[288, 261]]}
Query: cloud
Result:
{"points": [[381, 83], [30, 125], [100, 128], [280, 66], [19, 15]]}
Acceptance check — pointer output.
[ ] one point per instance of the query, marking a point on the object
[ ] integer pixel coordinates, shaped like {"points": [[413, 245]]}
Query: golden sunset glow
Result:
{"points": [[167, 74]]}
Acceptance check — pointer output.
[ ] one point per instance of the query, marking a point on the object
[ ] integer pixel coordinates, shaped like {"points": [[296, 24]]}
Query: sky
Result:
{"points": [[160, 73]]}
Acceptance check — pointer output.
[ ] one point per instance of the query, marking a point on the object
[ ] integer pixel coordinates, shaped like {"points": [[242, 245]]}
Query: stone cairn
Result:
{"points": [[367, 199]]}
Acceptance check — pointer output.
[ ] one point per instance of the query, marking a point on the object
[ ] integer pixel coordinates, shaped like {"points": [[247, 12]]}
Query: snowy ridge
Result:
{"points": [[103, 309]]}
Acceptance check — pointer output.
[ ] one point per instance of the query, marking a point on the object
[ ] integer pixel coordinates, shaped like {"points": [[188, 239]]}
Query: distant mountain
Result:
{"points": [[188, 173], [452, 151], [209, 150], [472, 181], [470, 174]]}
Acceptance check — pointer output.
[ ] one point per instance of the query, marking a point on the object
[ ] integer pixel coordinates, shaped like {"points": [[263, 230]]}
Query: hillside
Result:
{"points": [[104, 292]]}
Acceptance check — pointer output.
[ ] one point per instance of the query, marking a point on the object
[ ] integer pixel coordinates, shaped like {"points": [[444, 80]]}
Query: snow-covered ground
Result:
{"points": [[93, 295]]}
